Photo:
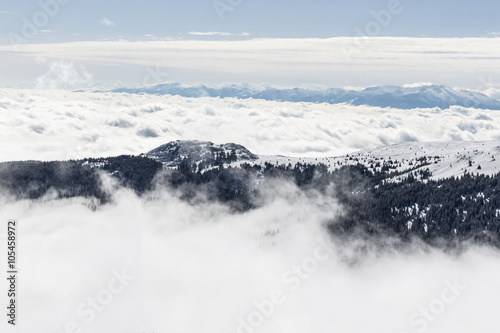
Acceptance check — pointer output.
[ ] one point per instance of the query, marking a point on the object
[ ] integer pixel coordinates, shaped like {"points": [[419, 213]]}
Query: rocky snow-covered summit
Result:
{"points": [[175, 152]]}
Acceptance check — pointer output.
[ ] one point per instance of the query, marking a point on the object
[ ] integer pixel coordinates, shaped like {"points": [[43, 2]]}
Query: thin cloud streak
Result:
{"points": [[216, 33], [376, 61]]}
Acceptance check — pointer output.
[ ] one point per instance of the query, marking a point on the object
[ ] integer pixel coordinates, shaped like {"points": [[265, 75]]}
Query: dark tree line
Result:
{"points": [[449, 210], [34, 179]]}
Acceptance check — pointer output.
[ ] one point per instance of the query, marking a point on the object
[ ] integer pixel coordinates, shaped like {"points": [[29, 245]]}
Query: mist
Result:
{"points": [[159, 264]]}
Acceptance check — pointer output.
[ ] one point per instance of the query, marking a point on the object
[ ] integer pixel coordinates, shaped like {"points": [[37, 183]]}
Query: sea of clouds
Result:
{"points": [[57, 124], [159, 264]]}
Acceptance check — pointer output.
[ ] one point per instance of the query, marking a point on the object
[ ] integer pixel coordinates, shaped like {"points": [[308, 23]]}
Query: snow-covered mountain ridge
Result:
{"points": [[401, 97], [443, 159]]}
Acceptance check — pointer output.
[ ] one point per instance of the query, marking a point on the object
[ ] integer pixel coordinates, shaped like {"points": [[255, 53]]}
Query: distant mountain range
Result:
{"points": [[401, 97]]}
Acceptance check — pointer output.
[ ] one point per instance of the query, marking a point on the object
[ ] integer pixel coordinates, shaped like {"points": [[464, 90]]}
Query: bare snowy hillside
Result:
{"points": [[442, 159]]}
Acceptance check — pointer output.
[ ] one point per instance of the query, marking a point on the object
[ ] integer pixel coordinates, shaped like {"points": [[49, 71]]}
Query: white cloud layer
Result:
{"points": [[47, 125], [343, 61], [200, 268]]}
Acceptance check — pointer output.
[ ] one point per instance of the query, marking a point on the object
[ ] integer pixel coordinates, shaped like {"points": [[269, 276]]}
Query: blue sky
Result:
{"points": [[81, 20]]}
